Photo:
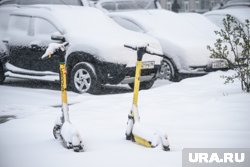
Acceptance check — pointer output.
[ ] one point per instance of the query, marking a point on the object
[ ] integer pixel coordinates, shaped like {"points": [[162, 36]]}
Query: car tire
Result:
{"points": [[143, 85], [167, 70], [2, 77], [84, 79]]}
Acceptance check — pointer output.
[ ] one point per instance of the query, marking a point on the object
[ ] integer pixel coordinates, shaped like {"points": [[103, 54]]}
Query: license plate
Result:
{"points": [[219, 64], [148, 64]]}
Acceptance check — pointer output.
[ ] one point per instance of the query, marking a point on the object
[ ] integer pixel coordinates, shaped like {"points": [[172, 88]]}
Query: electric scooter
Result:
{"points": [[63, 129], [135, 130]]}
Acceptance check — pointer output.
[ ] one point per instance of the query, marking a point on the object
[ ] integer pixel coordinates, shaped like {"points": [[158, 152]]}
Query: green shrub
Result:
{"points": [[233, 45]]}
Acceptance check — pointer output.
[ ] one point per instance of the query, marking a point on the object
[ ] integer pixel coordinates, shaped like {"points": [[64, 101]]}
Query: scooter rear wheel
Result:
{"points": [[56, 131]]}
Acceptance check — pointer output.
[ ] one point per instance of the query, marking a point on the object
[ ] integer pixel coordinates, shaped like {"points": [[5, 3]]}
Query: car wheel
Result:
{"points": [[143, 85], [2, 77], [84, 79], [167, 70]]}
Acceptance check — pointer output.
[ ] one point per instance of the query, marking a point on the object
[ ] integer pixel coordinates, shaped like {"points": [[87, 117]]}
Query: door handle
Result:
{"points": [[5, 41], [35, 47]]}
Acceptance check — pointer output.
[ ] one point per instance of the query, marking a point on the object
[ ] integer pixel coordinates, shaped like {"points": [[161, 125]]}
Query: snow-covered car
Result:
{"points": [[184, 40], [240, 13], [121, 5], [96, 54]]}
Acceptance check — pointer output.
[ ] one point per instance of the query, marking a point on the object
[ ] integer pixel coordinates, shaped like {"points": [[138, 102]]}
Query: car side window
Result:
{"points": [[110, 6], [128, 24], [44, 27], [126, 5], [19, 24]]}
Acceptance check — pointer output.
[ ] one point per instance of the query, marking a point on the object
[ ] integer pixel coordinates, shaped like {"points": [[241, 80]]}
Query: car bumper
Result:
{"points": [[202, 70], [110, 73]]}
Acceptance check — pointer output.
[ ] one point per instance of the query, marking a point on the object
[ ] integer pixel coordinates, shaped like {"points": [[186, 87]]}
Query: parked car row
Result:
{"points": [[96, 54]]}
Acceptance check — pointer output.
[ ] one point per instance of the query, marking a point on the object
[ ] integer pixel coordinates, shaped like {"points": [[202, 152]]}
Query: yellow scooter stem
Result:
{"points": [[135, 113], [64, 96]]}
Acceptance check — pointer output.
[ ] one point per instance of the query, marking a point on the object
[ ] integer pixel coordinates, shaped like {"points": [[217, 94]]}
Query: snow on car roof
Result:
{"points": [[169, 24], [145, 18]]}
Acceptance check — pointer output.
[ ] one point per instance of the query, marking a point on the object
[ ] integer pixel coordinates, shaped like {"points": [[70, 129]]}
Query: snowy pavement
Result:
{"points": [[196, 112]]}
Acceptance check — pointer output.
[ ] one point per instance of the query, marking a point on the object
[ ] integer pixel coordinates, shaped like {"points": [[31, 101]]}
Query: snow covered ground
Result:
{"points": [[196, 112]]}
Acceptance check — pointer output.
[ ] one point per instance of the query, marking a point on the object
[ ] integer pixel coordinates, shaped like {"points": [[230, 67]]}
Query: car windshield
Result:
{"points": [[129, 5], [126, 5], [146, 4]]}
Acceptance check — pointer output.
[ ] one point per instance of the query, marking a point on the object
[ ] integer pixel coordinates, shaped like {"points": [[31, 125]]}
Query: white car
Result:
{"points": [[184, 39], [96, 53], [240, 13]]}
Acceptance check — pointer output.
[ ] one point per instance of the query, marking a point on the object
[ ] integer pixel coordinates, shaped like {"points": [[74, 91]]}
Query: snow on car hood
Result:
{"points": [[99, 35], [183, 37]]}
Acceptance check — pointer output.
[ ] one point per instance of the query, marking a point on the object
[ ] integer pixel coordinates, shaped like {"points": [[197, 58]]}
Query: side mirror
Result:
{"points": [[58, 37]]}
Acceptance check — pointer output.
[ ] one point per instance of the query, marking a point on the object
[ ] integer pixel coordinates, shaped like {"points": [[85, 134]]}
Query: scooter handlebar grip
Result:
{"points": [[46, 55], [127, 46], [156, 54], [53, 48], [65, 44]]}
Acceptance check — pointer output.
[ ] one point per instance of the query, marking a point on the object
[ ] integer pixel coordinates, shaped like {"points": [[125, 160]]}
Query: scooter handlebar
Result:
{"points": [[148, 50], [53, 48], [130, 47]]}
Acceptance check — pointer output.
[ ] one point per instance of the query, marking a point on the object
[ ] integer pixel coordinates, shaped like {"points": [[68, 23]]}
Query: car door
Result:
{"points": [[42, 30], [28, 38], [17, 39]]}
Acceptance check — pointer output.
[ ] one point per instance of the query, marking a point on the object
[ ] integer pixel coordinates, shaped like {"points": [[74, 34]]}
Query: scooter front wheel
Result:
{"points": [[57, 131]]}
